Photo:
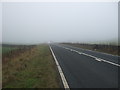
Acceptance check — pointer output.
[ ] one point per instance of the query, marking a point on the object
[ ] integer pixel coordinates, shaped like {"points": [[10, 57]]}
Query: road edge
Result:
{"points": [[64, 81]]}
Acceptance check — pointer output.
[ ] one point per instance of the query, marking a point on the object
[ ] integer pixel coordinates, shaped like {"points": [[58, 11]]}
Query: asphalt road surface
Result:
{"points": [[87, 69]]}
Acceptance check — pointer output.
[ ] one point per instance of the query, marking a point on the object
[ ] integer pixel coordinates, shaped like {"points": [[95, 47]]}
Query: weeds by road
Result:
{"points": [[34, 68]]}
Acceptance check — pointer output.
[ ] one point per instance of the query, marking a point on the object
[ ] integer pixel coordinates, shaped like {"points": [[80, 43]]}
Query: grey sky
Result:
{"points": [[43, 22]]}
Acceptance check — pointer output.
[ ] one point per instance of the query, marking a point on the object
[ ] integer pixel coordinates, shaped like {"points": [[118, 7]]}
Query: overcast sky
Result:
{"points": [[59, 22]]}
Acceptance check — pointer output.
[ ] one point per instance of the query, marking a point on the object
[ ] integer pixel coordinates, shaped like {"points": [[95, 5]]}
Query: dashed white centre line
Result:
{"points": [[96, 58], [111, 63]]}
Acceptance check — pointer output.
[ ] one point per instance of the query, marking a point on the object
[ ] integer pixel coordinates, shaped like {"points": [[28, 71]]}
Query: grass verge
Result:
{"points": [[110, 49], [7, 49], [31, 69]]}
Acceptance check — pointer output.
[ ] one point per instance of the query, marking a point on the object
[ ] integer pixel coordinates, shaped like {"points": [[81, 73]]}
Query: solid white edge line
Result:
{"points": [[64, 81]]}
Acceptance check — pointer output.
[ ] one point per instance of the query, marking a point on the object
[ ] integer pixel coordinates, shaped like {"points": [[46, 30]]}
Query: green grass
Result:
{"points": [[0, 50], [32, 69], [7, 49]]}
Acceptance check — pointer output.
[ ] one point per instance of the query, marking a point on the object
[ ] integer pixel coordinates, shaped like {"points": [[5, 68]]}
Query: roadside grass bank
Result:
{"points": [[110, 49], [11, 51], [0, 49], [34, 68], [7, 49]]}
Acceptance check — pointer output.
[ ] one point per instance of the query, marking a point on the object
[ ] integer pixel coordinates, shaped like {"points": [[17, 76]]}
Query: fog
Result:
{"points": [[31, 23], [0, 23]]}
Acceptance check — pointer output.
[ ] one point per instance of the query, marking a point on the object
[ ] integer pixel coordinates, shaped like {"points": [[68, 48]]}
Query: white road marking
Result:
{"points": [[96, 58], [79, 53], [66, 86], [98, 52], [110, 62]]}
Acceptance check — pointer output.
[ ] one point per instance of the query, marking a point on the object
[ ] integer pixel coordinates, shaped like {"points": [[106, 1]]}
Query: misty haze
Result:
{"points": [[59, 45], [29, 23]]}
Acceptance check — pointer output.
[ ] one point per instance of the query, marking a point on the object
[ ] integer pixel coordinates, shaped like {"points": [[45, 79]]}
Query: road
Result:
{"points": [[87, 69]]}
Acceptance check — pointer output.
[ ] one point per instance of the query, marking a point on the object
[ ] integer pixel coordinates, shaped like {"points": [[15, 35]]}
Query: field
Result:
{"points": [[33, 67], [7, 49], [0, 50]]}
